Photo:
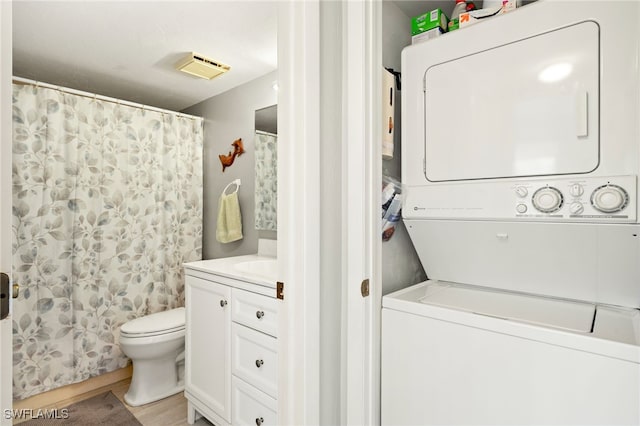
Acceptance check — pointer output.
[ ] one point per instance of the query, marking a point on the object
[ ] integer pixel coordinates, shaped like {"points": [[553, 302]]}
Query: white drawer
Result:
{"points": [[252, 407], [255, 358], [255, 311]]}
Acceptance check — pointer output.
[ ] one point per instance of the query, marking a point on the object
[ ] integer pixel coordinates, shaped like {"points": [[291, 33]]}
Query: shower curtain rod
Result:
{"points": [[266, 133], [25, 81]]}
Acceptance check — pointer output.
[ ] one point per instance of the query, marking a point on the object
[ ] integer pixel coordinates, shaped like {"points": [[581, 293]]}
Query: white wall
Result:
{"points": [[230, 116], [401, 266], [5, 207], [331, 291]]}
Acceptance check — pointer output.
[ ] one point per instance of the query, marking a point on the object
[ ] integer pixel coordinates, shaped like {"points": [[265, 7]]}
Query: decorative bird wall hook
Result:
{"points": [[238, 150]]}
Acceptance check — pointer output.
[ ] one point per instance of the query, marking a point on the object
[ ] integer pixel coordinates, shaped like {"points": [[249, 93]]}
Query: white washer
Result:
{"points": [[456, 354]]}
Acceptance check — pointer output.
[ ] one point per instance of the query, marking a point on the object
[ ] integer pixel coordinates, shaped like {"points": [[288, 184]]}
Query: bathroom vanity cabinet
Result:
{"points": [[207, 345], [231, 353]]}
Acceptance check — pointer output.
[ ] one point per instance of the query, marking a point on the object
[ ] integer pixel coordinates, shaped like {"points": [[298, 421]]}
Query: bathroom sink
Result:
{"points": [[267, 268]]}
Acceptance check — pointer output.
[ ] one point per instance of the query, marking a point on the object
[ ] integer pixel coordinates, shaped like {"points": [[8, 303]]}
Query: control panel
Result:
{"points": [[609, 199], [585, 198]]}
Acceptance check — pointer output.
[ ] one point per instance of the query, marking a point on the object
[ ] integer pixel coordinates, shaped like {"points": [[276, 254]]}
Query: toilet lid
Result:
{"points": [[159, 322]]}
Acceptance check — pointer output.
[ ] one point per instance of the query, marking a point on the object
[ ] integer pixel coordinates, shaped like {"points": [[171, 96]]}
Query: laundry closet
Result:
{"points": [[520, 160]]}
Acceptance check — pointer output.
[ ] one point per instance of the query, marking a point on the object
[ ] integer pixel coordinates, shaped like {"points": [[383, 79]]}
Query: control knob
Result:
{"points": [[576, 208], [576, 190], [547, 199], [609, 198], [521, 191]]}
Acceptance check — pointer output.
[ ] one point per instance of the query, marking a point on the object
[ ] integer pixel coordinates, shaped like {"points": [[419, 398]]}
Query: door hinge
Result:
{"points": [[5, 294], [280, 290], [364, 288]]}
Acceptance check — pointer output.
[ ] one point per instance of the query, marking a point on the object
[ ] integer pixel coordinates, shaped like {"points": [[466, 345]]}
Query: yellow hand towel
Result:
{"points": [[229, 226]]}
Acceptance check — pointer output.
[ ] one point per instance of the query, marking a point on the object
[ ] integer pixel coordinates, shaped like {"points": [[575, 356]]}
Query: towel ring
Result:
{"points": [[236, 182]]}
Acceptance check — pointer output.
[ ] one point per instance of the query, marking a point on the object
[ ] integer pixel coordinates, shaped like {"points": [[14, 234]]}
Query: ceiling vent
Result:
{"points": [[200, 66]]}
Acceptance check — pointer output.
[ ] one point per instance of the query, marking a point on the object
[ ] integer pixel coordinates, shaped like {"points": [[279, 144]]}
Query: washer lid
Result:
{"points": [[556, 313], [165, 321]]}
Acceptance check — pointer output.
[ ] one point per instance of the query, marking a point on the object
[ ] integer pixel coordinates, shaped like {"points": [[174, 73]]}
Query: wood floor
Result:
{"points": [[170, 411]]}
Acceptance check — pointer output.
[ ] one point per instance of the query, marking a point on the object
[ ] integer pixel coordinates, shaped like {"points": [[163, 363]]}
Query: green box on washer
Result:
{"points": [[428, 21]]}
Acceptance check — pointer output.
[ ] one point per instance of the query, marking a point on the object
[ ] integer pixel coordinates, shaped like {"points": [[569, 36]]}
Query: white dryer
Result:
{"points": [[520, 159]]}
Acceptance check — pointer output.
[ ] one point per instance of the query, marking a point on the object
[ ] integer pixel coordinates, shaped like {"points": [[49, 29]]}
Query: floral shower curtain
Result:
{"points": [[107, 205]]}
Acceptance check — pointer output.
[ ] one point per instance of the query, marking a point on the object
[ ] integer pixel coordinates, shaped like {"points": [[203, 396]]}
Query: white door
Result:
{"points": [[5, 201]]}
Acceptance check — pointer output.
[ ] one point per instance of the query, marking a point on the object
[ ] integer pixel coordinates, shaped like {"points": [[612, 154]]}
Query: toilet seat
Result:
{"points": [[151, 338], [160, 323], [151, 333]]}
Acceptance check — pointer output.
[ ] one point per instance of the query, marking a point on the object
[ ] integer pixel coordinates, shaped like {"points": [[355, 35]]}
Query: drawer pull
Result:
{"points": [[259, 363], [223, 303], [259, 314], [259, 421]]}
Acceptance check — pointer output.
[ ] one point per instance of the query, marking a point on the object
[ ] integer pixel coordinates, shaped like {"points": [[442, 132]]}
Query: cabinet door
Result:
{"points": [[208, 349]]}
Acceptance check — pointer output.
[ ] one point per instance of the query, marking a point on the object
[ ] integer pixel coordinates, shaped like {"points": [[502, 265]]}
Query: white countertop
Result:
{"points": [[229, 267]]}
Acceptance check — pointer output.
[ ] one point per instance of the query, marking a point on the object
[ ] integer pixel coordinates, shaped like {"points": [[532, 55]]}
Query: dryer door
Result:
{"points": [[527, 108]]}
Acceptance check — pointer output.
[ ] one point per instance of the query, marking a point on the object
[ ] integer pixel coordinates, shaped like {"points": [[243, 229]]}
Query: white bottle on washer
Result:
{"points": [[461, 6]]}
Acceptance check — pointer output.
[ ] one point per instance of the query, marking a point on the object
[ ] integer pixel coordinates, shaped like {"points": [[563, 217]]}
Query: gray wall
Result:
{"points": [[230, 116], [401, 266]]}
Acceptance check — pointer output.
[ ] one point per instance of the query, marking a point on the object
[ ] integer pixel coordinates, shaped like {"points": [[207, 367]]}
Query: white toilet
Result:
{"points": [[155, 344]]}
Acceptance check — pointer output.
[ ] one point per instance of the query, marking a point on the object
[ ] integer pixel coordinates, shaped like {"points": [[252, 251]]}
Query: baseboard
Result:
{"points": [[52, 397]]}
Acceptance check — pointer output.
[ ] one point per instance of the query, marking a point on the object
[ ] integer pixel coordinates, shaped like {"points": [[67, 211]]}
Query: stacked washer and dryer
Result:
{"points": [[520, 160]]}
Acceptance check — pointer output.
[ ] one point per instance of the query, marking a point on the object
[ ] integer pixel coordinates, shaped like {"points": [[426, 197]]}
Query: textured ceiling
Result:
{"points": [[128, 49]]}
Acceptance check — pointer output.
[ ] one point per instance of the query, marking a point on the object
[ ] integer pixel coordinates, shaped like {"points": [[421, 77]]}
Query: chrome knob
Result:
{"points": [[223, 303], [259, 314], [259, 363], [259, 421]]}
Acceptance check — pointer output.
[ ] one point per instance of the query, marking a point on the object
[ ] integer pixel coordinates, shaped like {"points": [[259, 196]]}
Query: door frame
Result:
{"points": [[298, 211], [6, 72], [363, 130], [299, 215]]}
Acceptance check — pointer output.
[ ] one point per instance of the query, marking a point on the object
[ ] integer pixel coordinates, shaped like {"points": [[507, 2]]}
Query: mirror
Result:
{"points": [[266, 172]]}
